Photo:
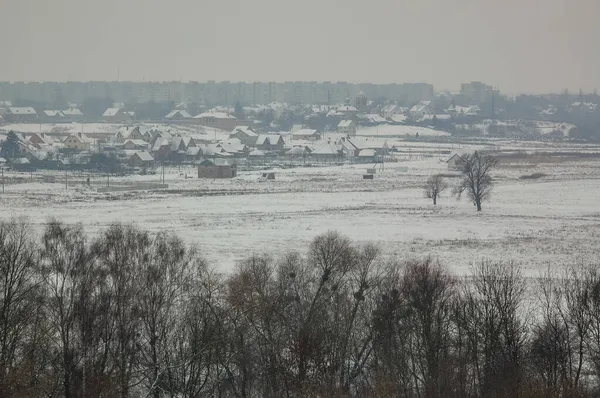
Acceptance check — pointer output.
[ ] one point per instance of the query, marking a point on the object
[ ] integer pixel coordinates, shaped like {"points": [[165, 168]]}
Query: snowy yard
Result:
{"points": [[534, 223]]}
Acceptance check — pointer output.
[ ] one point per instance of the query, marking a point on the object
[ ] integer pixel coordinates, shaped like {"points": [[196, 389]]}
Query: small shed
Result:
{"points": [[216, 168], [455, 162], [269, 175]]}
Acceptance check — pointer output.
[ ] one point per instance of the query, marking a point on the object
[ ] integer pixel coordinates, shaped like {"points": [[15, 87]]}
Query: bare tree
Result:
{"points": [[434, 187], [477, 180], [65, 260]]}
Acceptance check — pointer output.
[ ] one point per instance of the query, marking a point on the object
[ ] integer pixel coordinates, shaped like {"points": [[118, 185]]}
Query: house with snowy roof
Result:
{"points": [[307, 134], [20, 114], [116, 115], [78, 142], [421, 109], [270, 142], [50, 116], [347, 127], [245, 134], [178, 114], [141, 159], [135, 144], [72, 114]]}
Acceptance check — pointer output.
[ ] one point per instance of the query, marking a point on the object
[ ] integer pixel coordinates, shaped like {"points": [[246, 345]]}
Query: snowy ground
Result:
{"points": [[536, 223]]}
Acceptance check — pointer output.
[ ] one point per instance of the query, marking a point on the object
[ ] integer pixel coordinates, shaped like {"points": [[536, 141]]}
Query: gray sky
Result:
{"points": [[517, 45]]}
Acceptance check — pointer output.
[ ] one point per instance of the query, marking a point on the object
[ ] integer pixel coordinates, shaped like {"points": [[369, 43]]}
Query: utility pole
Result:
{"points": [[2, 179], [66, 179]]}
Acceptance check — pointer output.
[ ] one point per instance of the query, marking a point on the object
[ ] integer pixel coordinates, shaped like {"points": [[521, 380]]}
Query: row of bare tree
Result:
{"points": [[130, 314]]}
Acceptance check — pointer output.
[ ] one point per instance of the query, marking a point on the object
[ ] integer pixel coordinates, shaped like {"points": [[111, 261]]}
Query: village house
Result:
{"points": [[78, 142], [133, 133], [116, 115], [52, 116], [347, 127], [216, 168], [328, 153], [266, 142], [219, 120], [141, 159], [135, 144], [455, 162], [178, 114], [20, 115], [306, 134], [73, 114], [245, 134], [421, 109], [161, 149]]}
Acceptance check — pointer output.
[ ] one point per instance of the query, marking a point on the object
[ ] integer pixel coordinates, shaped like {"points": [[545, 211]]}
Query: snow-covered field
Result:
{"points": [[536, 223]]}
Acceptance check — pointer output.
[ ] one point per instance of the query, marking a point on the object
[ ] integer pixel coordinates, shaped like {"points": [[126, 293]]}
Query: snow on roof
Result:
{"points": [[327, 149], [297, 150], [215, 162], [160, 143], [109, 112], [256, 152], [193, 150], [23, 110], [419, 108], [271, 139], [137, 142], [79, 137], [51, 113], [246, 130], [144, 156], [364, 153], [184, 114], [72, 112], [390, 108], [345, 123], [216, 115], [305, 132]]}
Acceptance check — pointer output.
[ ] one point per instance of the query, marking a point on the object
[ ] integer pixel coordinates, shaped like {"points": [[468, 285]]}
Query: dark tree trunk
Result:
{"points": [[434, 201]]}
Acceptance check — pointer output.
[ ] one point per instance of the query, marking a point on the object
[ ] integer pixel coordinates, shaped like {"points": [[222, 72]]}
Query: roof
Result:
{"points": [[256, 152], [53, 113], [366, 153], [79, 137], [193, 150], [24, 110], [454, 156], [297, 150], [347, 108], [305, 133], [345, 123], [184, 114], [144, 156], [215, 162], [161, 142], [327, 149], [111, 112], [268, 139], [20, 161], [72, 112], [246, 130], [420, 108], [137, 142], [216, 115]]}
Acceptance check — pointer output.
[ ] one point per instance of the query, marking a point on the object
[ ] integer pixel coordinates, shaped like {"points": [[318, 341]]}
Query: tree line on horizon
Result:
{"points": [[127, 313]]}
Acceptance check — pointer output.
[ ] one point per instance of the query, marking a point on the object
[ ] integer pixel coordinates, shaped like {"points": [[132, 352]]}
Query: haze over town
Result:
{"points": [[299, 199], [519, 46]]}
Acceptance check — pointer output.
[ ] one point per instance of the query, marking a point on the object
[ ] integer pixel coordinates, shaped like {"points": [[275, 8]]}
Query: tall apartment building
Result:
{"points": [[476, 91]]}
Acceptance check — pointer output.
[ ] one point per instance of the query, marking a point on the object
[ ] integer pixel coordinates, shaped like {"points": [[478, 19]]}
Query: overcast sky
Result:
{"points": [[516, 45]]}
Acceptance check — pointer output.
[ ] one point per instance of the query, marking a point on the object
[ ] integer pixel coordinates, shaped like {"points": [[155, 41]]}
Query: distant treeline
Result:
{"points": [[131, 314]]}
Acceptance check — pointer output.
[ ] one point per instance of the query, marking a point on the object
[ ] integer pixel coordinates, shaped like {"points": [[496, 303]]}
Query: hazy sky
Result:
{"points": [[517, 45]]}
